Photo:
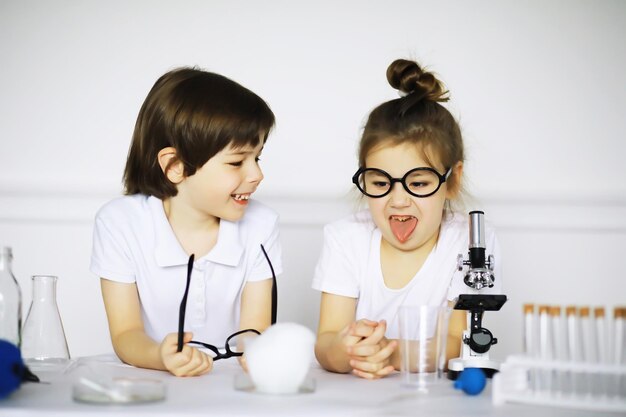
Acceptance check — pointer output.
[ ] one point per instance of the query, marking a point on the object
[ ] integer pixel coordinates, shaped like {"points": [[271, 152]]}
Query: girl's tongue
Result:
{"points": [[402, 227]]}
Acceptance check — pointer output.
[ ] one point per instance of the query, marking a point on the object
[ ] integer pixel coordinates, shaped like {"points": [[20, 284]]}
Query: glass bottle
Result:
{"points": [[44, 340], [10, 300]]}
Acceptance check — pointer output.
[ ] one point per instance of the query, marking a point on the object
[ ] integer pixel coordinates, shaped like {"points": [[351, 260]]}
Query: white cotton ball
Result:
{"points": [[279, 360]]}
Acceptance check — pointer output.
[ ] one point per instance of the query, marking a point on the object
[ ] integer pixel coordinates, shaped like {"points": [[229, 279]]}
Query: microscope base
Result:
{"points": [[457, 365]]}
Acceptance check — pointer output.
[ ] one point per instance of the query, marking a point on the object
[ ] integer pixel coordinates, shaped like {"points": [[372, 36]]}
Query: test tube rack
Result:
{"points": [[603, 385]]}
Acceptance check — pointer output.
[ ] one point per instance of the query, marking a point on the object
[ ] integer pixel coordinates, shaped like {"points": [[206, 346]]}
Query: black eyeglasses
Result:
{"points": [[235, 337], [419, 182]]}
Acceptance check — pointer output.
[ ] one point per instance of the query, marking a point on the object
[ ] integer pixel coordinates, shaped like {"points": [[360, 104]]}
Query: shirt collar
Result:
{"points": [[168, 251], [228, 249]]}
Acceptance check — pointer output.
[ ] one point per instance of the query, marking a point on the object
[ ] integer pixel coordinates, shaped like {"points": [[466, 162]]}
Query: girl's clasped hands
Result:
{"points": [[370, 352]]}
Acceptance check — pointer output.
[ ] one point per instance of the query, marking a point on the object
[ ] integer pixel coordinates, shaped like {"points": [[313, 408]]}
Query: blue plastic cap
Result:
{"points": [[472, 381]]}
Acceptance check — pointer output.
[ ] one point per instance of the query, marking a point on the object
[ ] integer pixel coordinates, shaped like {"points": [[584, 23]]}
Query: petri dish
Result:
{"points": [[118, 391], [243, 382]]}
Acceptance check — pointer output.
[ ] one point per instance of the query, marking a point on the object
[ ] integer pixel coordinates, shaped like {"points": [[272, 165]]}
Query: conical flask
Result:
{"points": [[43, 338]]}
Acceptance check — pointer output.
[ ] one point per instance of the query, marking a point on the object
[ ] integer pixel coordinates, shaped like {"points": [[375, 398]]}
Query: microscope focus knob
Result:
{"points": [[459, 262], [491, 262]]}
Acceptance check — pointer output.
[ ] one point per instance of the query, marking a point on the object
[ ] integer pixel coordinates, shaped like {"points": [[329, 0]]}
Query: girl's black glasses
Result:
{"points": [[419, 182], [234, 339]]}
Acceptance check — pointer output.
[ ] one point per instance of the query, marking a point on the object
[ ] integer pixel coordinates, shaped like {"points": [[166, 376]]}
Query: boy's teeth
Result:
{"points": [[241, 197]]}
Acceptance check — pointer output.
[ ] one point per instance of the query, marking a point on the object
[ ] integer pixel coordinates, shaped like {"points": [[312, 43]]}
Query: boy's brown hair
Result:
{"points": [[198, 113]]}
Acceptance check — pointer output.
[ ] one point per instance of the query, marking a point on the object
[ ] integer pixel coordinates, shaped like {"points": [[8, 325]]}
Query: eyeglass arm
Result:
{"points": [[183, 306], [274, 288]]}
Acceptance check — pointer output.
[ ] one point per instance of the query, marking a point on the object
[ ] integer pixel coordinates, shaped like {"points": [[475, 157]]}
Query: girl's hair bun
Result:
{"points": [[409, 79]]}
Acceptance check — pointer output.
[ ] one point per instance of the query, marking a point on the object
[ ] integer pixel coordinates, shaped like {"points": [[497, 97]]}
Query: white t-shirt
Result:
{"points": [[350, 266], [133, 242]]}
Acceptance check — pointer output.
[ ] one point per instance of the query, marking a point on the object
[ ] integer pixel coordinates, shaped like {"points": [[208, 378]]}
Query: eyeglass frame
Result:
{"points": [[392, 180], [229, 353]]}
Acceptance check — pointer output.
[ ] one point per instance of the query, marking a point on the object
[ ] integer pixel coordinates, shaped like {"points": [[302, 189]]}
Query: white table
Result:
{"points": [[214, 395]]}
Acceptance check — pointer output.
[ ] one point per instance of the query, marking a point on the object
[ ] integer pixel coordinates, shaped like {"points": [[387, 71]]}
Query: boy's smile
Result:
{"points": [[223, 186], [241, 199]]}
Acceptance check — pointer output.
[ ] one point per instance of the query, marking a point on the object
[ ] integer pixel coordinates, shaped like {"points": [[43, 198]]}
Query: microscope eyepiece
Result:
{"points": [[479, 274], [477, 229]]}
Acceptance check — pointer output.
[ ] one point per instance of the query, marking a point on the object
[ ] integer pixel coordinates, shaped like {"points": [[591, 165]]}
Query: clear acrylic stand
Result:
{"points": [[580, 385]]}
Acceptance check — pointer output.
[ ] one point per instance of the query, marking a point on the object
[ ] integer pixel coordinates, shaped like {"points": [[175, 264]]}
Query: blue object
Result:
{"points": [[472, 381], [12, 369], [10, 360]]}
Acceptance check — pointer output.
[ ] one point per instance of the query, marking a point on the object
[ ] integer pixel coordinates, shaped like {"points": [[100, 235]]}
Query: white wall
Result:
{"points": [[539, 89]]}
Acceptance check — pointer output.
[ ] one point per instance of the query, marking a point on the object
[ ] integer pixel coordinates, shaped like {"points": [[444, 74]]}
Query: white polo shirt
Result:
{"points": [[350, 266], [133, 242]]}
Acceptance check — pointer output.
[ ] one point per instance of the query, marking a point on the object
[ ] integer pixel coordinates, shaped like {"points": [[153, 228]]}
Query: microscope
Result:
{"points": [[479, 274]]}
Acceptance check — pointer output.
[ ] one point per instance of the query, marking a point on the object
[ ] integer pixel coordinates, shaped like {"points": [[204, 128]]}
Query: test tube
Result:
{"points": [[574, 351], [619, 350], [619, 324], [558, 341], [558, 348], [530, 341], [544, 380], [600, 383], [590, 354], [530, 330], [601, 334], [588, 334], [545, 338]]}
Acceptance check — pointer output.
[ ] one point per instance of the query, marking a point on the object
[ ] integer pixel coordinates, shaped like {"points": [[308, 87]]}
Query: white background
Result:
{"points": [[539, 88]]}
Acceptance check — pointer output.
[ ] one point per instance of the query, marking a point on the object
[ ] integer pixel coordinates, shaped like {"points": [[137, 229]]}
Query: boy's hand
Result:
{"points": [[189, 362], [371, 356]]}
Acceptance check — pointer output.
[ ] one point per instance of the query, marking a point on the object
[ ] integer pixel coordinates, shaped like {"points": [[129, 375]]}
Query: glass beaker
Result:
{"points": [[43, 339], [422, 344]]}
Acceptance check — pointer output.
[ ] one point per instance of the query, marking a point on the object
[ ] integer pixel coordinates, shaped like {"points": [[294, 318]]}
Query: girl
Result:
{"points": [[192, 168], [403, 249]]}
